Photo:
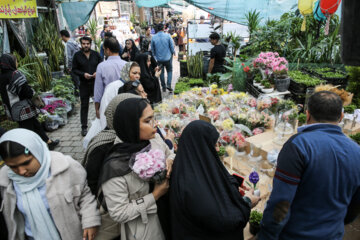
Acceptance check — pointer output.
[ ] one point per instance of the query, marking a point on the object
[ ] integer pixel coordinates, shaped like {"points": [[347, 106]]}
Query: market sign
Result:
{"points": [[18, 9]]}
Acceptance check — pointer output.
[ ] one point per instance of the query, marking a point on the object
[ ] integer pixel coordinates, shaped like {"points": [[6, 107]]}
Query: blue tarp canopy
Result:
{"points": [[77, 12]]}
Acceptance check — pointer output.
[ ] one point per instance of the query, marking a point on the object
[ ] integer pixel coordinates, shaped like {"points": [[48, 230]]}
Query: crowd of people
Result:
{"points": [[47, 195]]}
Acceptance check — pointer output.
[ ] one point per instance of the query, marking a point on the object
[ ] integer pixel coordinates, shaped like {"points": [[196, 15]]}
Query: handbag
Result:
{"points": [[23, 110]]}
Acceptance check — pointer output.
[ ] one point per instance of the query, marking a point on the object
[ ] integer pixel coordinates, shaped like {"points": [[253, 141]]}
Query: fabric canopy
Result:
{"points": [[233, 10]]}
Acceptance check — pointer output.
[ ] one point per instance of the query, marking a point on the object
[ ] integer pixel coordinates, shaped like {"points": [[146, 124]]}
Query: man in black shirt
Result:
{"points": [[217, 54], [85, 63]]}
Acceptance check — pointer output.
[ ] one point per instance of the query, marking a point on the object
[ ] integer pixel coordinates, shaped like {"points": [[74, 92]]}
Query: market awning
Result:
{"points": [[77, 12], [232, 10]]}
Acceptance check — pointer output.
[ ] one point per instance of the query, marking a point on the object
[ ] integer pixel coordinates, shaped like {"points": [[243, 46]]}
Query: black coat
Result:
{"points": [[205, 202], [133, 52], [148, 80]]}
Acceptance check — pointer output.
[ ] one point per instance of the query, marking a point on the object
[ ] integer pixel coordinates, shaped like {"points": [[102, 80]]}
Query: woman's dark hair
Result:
{"points": [[112, 44], [148, 27], [134, 64], [86, 38], [9, 149], [214, 36], [108, 34], [325, 106], [65, 33], [128, 87]]}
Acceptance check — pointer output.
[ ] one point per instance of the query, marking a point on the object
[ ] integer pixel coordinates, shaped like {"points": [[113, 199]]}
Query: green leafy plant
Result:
{"points": [[263, 82], [36, 72], [196, 82], [195, 65], [221, 151], [253, 21], [43, 118], [181, 87], [92, 25], [267, 85], [356, 138], [64, 88], [235, 75], [302, 118], [46, 39], [258, 79], [8, 125], [255, 217], [305, 79], [350, 108], [354, 83], [183, 79]]}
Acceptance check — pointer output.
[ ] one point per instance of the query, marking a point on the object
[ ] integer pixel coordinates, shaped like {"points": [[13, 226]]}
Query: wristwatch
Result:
{"points": [[248, 201]]}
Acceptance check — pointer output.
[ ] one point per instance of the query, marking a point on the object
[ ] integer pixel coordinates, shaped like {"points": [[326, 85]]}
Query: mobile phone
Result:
{"points": [[239, 179], [160, 66]]}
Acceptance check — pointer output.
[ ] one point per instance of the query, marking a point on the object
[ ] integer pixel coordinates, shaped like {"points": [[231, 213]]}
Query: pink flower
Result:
{"points": [[257, 131], [147, 164], [157, 154], [252, 102]]}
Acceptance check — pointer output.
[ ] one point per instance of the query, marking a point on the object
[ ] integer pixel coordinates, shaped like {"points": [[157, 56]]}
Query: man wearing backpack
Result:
{"points": [[71, 47]]}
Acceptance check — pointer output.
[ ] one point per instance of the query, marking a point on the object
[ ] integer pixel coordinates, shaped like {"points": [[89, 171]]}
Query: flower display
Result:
{"points": [[147, 164], [214, 114], [228, 124], [225, 138], [254, 178], [252, 102], [257, 131], [238, 140]]}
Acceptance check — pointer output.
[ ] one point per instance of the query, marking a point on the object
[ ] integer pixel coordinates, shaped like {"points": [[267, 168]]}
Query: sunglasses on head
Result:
{"points": [[135, 83]]}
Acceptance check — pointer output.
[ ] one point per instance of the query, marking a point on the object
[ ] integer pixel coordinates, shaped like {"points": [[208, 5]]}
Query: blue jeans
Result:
{"points": [[168, 66]]}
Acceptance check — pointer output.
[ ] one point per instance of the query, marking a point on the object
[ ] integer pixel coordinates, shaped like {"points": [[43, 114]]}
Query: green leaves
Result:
{"points": [[253, 21], [195, 65], [46, 39], [255, 217]]}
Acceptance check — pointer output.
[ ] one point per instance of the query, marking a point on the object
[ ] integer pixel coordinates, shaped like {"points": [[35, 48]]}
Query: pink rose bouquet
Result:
{"points": [[150, 165], [238, 140]]}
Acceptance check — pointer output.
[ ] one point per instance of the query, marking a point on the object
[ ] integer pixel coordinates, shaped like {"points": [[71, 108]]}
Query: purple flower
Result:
{"points": [[254, 178]]}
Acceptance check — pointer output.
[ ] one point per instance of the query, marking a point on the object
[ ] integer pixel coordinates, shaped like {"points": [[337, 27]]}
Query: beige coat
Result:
{"points": [[71, 203], [129, 202]]}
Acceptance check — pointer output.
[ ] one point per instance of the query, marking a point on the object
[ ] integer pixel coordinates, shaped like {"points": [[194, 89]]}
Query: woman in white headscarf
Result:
{"points": [[45, 194]]}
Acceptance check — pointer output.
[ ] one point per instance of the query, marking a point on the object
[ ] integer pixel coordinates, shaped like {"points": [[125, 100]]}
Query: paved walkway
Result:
{"points": [[70, 135]]}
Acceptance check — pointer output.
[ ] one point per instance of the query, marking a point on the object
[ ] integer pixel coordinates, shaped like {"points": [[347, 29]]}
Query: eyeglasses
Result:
{"points": [[136, 83]]}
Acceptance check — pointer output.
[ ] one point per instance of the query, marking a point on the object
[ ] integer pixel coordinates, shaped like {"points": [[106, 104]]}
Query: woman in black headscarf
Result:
{"points": [[205, 202], [130, 51], [128, 198], [149, 78], [16, 95]]}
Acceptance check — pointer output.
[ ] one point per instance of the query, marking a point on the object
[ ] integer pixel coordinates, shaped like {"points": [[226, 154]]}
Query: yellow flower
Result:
{"points": [[214, 86], [228, 124]]}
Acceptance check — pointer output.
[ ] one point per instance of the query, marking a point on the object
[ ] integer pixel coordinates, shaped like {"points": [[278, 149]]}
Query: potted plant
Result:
{"points": [[267, 88], [261, 86], [257, 80], [255, 219], [302, 119], [280, 70]]}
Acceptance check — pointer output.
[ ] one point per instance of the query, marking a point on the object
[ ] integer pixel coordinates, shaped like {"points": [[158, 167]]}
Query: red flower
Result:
{"points": [[246, 69], [242, 64], [175, 111]]}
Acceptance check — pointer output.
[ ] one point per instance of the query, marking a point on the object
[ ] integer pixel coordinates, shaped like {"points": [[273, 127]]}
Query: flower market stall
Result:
{"points": [[252, 130]]}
